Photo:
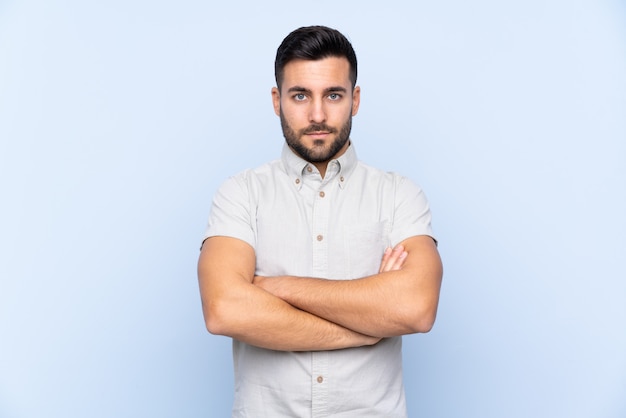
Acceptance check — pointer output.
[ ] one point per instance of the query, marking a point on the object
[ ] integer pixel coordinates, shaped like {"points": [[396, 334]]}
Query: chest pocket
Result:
{"points": [[364, 245]]}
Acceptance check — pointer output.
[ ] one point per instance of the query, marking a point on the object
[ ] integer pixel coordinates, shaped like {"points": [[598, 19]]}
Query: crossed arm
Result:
{"points": [[302, 314]]}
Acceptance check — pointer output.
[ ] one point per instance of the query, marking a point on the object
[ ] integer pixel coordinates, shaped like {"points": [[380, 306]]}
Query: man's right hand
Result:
{"points": [[393, 259]]}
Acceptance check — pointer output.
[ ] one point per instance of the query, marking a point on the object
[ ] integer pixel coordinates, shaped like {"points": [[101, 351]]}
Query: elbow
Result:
{"points": [[424, 324], [421, 319], [421, 310], [215, 320], [214, 327], [421, 326]]}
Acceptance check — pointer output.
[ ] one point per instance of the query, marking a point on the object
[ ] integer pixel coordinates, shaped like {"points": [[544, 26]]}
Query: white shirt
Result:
{"points": [[336, 227]]}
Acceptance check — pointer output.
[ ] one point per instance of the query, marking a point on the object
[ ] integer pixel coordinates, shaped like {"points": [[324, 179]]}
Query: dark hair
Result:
{"points": [[314, 43]]}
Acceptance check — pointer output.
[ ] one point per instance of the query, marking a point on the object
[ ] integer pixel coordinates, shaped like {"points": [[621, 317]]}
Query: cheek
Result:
{"points": [[341, 115], [295, 117]]}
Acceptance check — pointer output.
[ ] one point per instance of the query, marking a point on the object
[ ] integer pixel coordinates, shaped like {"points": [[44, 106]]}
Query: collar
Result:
{"points": [[296, 167]]}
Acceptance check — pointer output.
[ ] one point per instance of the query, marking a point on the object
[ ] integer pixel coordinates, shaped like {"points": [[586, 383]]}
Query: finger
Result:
{"points": [[399, 261], [386, 256], [395, 259]]}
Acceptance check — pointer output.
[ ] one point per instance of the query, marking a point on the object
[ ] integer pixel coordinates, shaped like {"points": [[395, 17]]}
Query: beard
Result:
{"points": [[318, 153]]}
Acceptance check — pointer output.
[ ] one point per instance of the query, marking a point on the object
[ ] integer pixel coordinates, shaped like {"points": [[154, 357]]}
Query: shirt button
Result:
{"points": [[309, 169], [322, 194], [320, 379], [341, 178], [320, 237], [297, 181]]}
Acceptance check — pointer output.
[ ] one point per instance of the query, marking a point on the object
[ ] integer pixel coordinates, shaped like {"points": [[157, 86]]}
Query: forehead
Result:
{"points": [[317, 74]]}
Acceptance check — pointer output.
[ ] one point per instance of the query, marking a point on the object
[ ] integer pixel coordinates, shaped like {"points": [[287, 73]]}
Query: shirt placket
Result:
{"points": [[319, 359], [319, 384]]}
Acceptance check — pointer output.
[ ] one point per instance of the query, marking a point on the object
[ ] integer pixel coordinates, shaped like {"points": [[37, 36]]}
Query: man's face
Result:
{"points": [[316, 103]]}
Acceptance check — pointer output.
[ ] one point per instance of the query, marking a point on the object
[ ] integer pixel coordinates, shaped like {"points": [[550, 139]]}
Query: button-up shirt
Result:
{"points": [[335, 227]]}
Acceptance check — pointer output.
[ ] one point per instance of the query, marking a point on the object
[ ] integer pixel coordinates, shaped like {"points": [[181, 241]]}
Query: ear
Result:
{"points": [[356, 100], [276, 100]]}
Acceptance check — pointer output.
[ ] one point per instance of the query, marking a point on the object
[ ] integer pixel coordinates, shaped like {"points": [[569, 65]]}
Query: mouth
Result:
{"points": [[318, 134]]}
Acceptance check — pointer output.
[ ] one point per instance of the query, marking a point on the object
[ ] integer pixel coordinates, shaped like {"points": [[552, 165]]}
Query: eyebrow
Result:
{"points": [[334, 89]]}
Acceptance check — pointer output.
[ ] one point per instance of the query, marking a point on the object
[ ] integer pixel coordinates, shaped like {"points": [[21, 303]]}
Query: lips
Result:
{"points": [[318, 130], [318, 136]]}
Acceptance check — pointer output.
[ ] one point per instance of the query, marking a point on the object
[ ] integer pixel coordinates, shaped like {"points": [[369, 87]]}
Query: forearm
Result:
{"points": [[261, 319], [390, 303], [372, 305], [234, 307]]}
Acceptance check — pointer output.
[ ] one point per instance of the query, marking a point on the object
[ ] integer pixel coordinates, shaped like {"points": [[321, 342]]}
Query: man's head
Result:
{"points": [[317, 94], [314, 43]]}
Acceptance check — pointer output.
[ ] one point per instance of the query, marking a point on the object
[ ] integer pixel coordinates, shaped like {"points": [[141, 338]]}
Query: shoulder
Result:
{"points": [[252, 176], [370, 174]]}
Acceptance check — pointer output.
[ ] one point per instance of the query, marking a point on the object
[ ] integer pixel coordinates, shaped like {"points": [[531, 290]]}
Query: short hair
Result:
{"points": [[314, 43]]}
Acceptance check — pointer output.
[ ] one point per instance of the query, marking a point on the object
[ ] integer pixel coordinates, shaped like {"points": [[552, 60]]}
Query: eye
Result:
{"points": [[299, 97], [334, 96]]}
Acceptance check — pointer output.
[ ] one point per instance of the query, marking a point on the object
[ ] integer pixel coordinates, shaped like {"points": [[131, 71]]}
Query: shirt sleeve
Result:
{"points": [[230, 213], [411, 213]]}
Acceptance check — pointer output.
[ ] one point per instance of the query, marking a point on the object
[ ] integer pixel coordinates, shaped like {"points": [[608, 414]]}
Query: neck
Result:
{"points": [[321, 167]]}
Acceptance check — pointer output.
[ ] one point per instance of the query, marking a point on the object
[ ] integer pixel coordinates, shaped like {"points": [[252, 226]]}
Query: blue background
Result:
{"points": [[119, 119]]}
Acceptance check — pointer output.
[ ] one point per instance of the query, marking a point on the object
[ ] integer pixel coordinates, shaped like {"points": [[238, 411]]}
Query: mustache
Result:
{"points": [[318, 127]]}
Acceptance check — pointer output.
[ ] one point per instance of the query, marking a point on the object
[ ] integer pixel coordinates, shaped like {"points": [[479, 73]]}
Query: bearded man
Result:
{"points": [[316, 264]]}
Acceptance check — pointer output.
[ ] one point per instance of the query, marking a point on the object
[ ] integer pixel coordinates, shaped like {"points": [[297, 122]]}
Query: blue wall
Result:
{"points": [[119, 119]]}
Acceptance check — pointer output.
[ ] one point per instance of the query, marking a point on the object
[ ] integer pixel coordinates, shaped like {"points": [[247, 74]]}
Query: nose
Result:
{"points": [[317, 112]]}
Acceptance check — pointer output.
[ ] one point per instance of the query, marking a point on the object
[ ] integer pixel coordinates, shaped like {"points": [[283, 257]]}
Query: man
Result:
{"points": [[297, 265]]}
